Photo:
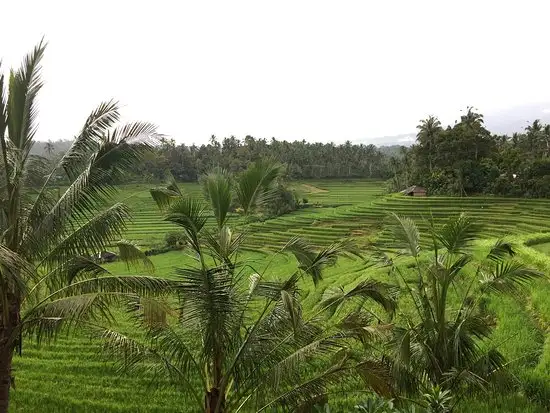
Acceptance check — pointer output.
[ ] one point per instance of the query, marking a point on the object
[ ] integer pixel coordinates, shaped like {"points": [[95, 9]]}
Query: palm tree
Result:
{"points": [[237, 338], [440, 345], [546, 134], [474, 126], [49, 147], [533, 135], [428, 132], [47, 279]]}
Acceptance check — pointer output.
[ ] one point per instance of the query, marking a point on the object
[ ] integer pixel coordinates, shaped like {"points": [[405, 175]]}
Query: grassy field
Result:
{"points": [[71, 376]]}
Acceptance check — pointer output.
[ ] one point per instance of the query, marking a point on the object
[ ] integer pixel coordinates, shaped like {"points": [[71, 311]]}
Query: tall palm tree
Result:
{"points": [[49, 147], [546, 135], [534, 135], [237, 338], [440, 344], [428, 131], [47, 279], [474, 125]]}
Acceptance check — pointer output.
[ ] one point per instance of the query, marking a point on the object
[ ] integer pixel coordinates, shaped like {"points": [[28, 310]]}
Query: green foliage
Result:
{"points": [[234, 338], [446, 344], [304, 160], [174, 239], [466, 159], [47, 281]]}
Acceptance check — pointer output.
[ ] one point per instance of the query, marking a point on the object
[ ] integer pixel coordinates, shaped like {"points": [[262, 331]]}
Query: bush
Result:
{"points": [[174, 239], [282, 203]]}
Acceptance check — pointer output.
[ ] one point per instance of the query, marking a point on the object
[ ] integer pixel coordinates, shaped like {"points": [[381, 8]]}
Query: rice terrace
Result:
{"points": [[265, 226], [72, 375]]}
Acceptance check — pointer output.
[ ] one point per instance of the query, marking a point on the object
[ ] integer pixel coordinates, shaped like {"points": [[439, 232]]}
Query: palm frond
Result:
{"points": [[90, 237], [218, 188], [500, 250], [15, 276], [458, 233], [82, 267], [123, 148], [130, 253], [173, 358], [306, 392], [312, 261], [87, 141], [508, 277], [24, 86], [376, 375], [223, 244], [381, 293], [5, 172], [255, 186], [406, 234], [163, 195], [188, 213], [46, 320]]}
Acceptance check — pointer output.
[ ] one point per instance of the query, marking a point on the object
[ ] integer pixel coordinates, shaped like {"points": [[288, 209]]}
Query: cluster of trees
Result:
{"points": [[466, 159], [231, 337], [304, 160]]}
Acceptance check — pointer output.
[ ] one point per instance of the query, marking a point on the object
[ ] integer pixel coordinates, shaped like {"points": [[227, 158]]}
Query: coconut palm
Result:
{"points": [[49, 147], [445, 342], [47, 279], [236, 338], [534, 136], [428, 132]]}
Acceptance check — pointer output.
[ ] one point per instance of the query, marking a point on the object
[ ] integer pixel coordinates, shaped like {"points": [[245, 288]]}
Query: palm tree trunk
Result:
{"points": [[6, 351], [5, 378], [214, 399]]}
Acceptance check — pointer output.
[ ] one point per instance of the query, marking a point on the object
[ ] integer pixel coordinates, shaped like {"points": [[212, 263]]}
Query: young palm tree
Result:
{"points": [[442, 344], [237, 339], [47, 279]]}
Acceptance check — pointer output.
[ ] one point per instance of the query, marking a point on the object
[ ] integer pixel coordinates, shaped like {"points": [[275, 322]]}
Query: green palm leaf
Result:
{"points": [[255, 186]]}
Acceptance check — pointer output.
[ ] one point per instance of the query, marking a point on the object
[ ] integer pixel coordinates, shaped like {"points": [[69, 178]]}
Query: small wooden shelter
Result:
{"points": [[106, 256], [414, 191]]}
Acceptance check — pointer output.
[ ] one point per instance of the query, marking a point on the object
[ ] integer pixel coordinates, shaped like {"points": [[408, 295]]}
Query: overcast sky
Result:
{"points": [[317, 70]]}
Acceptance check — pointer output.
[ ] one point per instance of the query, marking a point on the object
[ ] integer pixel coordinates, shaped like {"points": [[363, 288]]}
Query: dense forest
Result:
{"points": [[304, 160], [462, 159], [466, 159]]}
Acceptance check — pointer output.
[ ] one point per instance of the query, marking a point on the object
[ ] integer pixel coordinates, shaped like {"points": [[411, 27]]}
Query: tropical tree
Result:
{"points": [[533, 136], [441, 344], [48, 280], [429, 130], [236, 337], [49, 147]]}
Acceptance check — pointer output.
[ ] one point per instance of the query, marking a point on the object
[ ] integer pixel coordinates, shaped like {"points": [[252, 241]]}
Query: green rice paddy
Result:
{"points": [[70, 375]]}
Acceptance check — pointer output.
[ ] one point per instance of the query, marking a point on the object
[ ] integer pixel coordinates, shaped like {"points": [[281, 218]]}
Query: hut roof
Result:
{"points": [[413, 189]]}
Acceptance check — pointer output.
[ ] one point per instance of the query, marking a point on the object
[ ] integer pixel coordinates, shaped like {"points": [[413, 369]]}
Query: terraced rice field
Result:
{"points": [[71, 376]]}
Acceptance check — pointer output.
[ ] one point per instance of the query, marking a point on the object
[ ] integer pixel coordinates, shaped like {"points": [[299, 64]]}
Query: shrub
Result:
{"points": [[174, 239]]}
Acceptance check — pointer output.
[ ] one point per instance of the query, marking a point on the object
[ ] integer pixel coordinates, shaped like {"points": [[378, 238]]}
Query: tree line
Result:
{"points": [[304, 160], [467, 159]]}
